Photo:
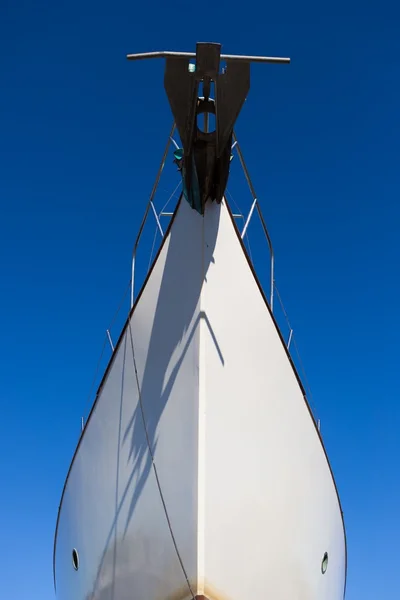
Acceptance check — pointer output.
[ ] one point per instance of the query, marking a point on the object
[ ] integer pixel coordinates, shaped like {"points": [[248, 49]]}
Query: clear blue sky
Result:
{"points": [[81, 132]]}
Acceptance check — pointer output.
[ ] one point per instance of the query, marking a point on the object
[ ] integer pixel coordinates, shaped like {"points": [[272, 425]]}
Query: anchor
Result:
{"points": [[205, 156]]}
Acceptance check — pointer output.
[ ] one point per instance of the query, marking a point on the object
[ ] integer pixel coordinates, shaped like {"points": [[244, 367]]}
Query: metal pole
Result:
{"points": [[150, 203], [228, 57], [249, 217], [206, 122], [290, 338], [272, 278], [157, 219], [110, 340]]}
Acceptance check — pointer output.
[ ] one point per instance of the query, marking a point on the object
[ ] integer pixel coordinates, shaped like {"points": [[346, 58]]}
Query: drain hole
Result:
{"points": [[75, 559], [324, 564]]}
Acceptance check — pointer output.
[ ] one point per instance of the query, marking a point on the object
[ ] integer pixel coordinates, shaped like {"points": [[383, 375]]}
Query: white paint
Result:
{"points": [[243, 474], [271, 506]]}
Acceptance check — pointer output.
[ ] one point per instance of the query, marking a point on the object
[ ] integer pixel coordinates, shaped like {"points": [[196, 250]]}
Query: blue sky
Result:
{"points": [[82, 132]]}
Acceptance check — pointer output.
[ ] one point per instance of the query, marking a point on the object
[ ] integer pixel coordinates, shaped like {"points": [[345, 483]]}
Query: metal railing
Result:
{"points": [[256, 206], [150, 204]]}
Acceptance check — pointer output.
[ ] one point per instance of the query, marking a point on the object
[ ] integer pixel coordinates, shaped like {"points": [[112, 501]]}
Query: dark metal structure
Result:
{"points": [[203, 90]]}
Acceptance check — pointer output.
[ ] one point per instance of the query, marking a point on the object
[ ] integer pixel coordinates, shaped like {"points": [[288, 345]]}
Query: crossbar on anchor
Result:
{"points": [[230, 57]]}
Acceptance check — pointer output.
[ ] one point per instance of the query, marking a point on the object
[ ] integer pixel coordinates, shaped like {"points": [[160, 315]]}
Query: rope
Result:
{"points": [[310, 397], [154, 466], [155, 235], [282, 307], [152, 249], [95, 376], [235, 203], [307, 385], [102, 350], [170, 198], [120, 304]]}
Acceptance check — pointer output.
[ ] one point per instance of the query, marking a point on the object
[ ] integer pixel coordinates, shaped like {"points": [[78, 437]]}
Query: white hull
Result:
{"points": [[243, 475]]}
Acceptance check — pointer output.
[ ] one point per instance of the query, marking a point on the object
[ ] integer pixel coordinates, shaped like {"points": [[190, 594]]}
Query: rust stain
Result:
{"points": [[210, 593], [183, 593], [213, 593]]}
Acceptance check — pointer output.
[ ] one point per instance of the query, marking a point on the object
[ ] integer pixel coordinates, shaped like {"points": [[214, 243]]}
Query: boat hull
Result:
{"points": [[200, 470]]}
